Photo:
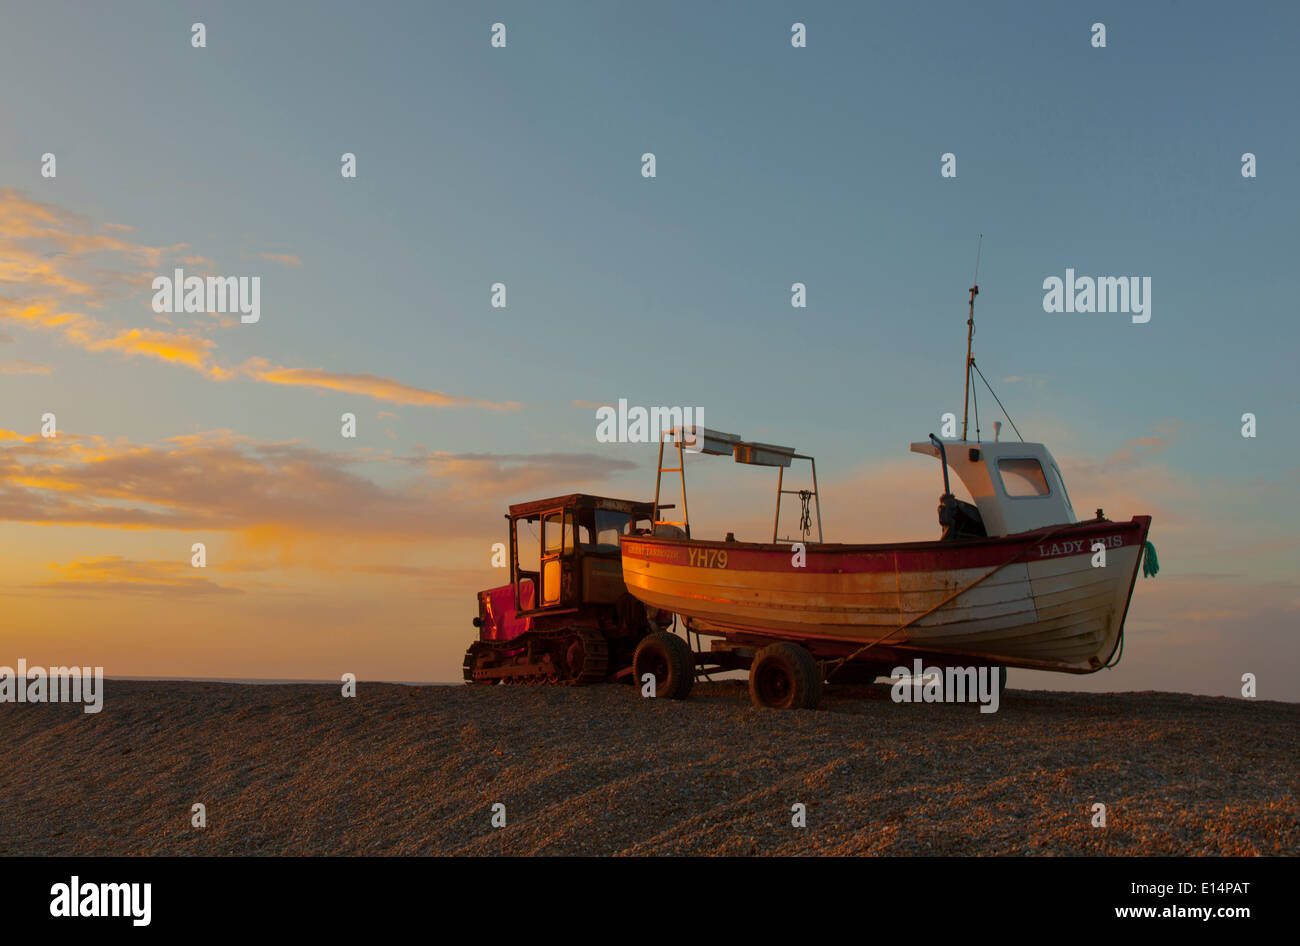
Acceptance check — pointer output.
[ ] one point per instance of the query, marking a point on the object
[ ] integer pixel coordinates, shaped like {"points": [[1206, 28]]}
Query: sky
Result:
{"points": [[522, 165]]}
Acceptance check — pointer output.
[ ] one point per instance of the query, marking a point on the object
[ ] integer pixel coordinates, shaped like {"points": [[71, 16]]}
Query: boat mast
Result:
{"points": [[970, 332]]}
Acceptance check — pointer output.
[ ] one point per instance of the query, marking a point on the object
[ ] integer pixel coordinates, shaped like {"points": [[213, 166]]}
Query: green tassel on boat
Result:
{"points": [[1150, 564]]}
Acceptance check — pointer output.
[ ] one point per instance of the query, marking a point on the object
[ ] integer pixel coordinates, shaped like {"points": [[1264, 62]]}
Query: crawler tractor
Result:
{"points": [[566, 616]]}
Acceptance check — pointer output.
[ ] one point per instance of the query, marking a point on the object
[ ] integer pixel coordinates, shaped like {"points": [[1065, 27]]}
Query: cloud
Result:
{"points": [[188, 350], [368, 385], [73, 441], [1126, 458], [93, 335], [591, 405], [520, 475], [42, 245], [284, 259], [274, 494], [55, 264], [115, 575], [19, 366]]}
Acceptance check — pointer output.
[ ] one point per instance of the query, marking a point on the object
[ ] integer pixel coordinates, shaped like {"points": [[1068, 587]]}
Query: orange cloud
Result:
{"points": [[91, 334], [115, 575], [19, 366], [482, 475], [188, 350], [272, 494], [14, 435], [368, 385], [57, 262], [284, 259]]}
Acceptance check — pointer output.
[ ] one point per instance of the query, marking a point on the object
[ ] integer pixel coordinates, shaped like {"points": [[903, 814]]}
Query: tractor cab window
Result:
{"points": [[558, 533], [557, 546], [528, 546], [609, 526], [1022, 477], [600, 529]]}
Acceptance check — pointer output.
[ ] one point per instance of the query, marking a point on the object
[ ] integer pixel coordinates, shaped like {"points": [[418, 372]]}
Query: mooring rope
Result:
{"points": [[996, 398], [1150, 564]]}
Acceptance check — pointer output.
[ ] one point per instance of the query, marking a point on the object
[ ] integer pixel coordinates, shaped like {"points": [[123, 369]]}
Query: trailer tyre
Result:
{"points": [[785, 676], [670, 660]]}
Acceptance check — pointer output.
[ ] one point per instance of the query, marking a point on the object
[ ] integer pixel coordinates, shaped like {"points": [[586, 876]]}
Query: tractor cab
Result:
{"points": [[564, 551], [566, 616]]}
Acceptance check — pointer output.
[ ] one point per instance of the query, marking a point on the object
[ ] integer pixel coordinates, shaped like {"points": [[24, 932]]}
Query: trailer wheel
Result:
{"points": [[670, 660], [785, 676]]}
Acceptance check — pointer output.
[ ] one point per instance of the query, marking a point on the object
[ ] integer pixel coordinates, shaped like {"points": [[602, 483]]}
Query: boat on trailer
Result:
{"points": [[1014, 580]]}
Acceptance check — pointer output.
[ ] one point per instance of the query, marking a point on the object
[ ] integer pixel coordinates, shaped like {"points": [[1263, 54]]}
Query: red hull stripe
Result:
{"points": [[1063, 542]]}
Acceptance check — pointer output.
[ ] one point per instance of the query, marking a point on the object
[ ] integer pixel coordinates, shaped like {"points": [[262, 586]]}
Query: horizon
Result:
{"points": [[717, 678]]}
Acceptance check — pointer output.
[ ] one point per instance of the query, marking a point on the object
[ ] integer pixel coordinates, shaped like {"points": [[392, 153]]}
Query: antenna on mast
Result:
{"points": [[970, 332]]}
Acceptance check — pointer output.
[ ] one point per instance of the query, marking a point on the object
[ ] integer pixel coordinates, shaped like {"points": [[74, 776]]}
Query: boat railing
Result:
{"points": [[805, 497], [703, 440]]}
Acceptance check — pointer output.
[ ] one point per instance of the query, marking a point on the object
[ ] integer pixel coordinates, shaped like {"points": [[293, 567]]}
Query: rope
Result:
{"points": [[998, 399], [1150, 564], [1119, 653], [805, 519], [837, 664]]}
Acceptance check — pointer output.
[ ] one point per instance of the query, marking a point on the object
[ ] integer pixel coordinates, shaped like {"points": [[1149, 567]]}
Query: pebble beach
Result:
{"points": [[297, 769]]}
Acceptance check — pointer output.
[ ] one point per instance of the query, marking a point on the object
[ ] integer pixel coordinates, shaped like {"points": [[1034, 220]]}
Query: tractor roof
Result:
{"points": [[581, 500]]}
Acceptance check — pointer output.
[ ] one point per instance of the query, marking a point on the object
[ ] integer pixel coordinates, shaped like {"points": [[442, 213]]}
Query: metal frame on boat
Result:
{"points": [[716, 443]]}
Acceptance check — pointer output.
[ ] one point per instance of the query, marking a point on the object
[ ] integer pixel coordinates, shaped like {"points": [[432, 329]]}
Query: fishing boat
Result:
{"points": [[1015, 579]]}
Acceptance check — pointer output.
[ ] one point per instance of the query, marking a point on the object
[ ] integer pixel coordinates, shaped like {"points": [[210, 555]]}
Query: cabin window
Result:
{"points": [[599, 529], [528, 550], [558, 536], [610, 525], [1022, 476]]}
